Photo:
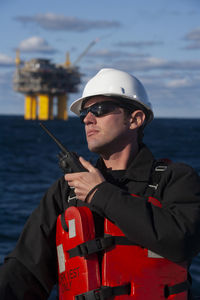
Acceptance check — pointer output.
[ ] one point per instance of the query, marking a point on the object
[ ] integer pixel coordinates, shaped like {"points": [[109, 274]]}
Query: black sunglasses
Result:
{"points": [[99, 109]]}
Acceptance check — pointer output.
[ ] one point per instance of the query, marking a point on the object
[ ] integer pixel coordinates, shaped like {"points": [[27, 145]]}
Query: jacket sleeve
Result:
{"points": [[172, 230], [36, 247], [18, 283]]}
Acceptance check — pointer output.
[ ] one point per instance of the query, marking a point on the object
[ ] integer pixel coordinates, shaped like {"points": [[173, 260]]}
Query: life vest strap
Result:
{"points": [[177, 288], [63, 222], [105, 292], [91, 246], [97, 245]]}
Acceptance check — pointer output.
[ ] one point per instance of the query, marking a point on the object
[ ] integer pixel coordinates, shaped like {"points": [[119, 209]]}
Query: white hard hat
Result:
{"points": [[116, 83]]}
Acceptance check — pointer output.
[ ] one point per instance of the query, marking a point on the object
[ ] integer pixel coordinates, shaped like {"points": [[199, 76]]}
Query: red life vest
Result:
{"points": [[127, 271]]}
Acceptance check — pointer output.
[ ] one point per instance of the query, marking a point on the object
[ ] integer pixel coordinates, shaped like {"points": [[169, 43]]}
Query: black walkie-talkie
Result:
{"points": [[68, 161]]}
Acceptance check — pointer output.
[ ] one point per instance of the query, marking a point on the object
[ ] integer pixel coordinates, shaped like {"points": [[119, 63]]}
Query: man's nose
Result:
{"points": [[89, 118]]}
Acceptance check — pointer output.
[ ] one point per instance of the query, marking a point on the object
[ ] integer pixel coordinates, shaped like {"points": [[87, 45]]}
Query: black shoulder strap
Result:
{"points": [[158, 168]]}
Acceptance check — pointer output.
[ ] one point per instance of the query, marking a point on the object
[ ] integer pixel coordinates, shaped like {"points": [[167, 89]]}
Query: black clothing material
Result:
{"points": [[36, 247], [172, 230], [17, 283]]}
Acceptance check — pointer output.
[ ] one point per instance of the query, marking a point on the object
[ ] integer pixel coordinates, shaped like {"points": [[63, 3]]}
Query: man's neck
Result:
{"points": [[120, 160]]}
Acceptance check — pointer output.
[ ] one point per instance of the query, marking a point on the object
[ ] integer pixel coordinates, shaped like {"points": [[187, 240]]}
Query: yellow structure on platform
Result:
{"points": [[62, 107], [44, 107], [30, 108], [17, 59], [41, 107]]}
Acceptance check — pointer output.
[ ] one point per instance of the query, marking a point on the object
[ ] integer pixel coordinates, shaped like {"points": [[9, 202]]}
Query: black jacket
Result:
{"points": [[172, 230]]}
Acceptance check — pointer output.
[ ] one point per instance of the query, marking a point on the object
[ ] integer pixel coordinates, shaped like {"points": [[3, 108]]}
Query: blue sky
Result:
{"points": [[158, 41]]}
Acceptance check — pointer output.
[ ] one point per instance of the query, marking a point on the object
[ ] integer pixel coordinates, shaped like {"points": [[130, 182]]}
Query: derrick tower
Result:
{"points": [[42, 82]]}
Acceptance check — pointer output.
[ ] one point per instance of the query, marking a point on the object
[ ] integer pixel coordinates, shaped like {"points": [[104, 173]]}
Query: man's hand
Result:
{"points": [[84, 182]]}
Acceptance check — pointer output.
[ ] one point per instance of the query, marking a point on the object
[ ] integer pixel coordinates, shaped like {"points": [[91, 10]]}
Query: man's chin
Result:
{"points": [[95, 148]]}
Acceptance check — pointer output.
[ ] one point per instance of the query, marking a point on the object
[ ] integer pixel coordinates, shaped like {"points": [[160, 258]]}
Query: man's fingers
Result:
{"points": [[73, 176], [84, 182], [86, 164]]}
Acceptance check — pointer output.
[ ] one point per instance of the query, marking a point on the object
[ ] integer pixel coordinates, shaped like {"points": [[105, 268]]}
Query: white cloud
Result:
{"points": [[179, 83], [36, 44], [139, 44], [194, 35], [113, 54], [155, 63], [6, 60], [193, 38], [50, 21]]}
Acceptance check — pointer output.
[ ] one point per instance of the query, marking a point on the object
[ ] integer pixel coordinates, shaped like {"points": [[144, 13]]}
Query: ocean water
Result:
{"points": [[29, 165]]}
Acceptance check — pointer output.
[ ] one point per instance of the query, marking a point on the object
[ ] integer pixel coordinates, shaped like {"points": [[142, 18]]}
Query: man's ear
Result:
{"points": [[137, 119]]}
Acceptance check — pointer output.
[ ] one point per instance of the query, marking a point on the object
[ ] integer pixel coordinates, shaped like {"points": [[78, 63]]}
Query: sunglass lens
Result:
{"points": [[98, 109]]}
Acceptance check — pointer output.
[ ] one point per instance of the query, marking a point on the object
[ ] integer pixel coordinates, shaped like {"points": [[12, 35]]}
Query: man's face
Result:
{"points": [[109, 133]]}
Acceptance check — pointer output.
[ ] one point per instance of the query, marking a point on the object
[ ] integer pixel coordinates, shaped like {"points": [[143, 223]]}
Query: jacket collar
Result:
{"points": [[140, 167]]}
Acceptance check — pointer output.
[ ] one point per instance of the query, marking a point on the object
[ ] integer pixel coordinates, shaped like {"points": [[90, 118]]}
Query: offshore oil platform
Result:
{"points": [[42, 82]]}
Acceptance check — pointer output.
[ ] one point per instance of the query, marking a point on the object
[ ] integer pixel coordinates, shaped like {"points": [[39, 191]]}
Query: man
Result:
{"points": [[156, 205]]}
